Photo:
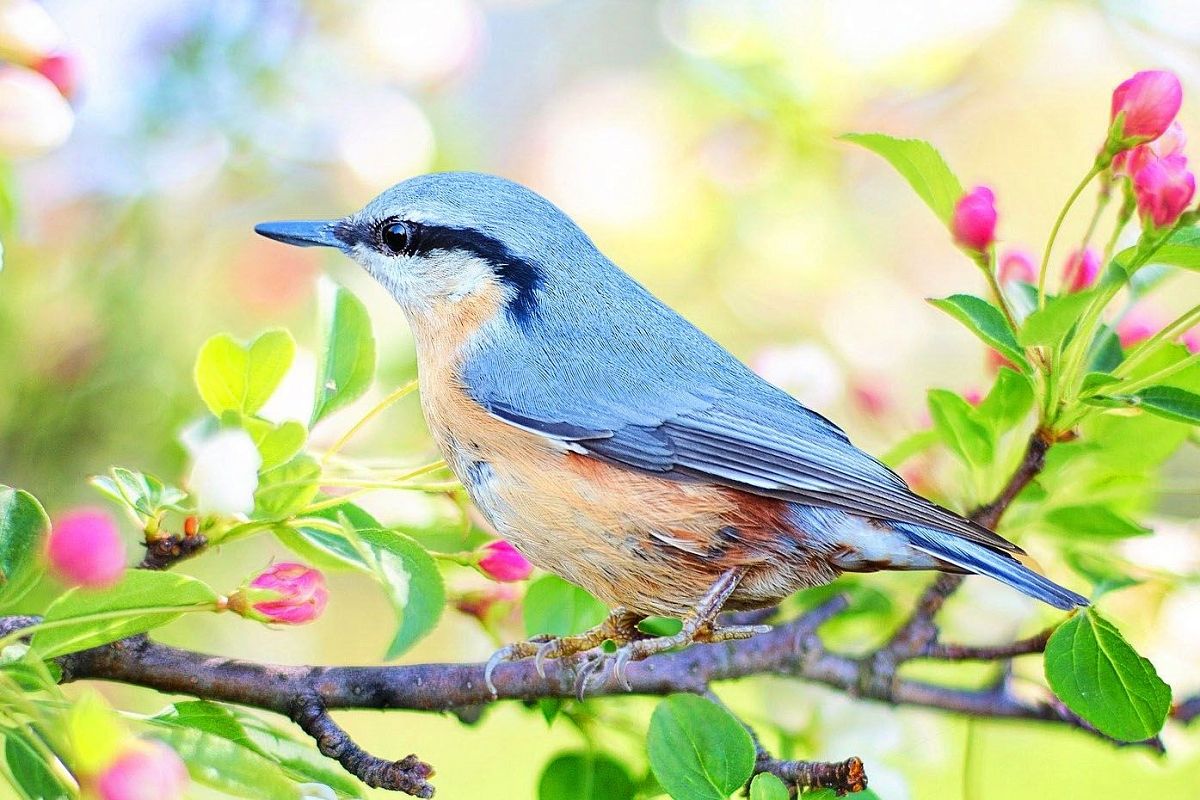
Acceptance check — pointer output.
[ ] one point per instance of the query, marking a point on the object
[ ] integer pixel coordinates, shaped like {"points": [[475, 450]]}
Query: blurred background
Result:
{"points": [[695, 141]]}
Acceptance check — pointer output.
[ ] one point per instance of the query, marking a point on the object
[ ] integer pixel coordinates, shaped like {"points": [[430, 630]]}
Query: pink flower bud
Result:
{"points": [[301, 590], [974, 220], [1191, 339], [85, 549], [1149, 101], [480, 604], [61, 69], [148, 770], [973, 396], [1017, 266], [872, 398], [1081, 270], [500, 561], [1164, 188], [1137, 326], [1171, 143], [994, 360]]}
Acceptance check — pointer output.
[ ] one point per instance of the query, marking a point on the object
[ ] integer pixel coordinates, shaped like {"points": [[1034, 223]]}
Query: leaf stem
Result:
{"points": [[381, 406], [1062, 215]]}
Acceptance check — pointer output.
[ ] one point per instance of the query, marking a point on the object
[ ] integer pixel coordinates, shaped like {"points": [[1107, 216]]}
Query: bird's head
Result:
{"points": [[438, 240]]}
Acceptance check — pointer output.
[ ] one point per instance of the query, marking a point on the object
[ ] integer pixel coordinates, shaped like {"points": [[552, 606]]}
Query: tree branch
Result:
{"points": [[307, 694]]}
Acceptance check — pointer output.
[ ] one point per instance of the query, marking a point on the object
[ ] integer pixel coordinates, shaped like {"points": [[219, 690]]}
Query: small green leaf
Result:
{"points": [[1050, 325], [34, 777], [228, 767], [234, 377], [413, 583], [697, 750], [23, 529], [138, 589], [1170, 402], [1094, 521], [585, 776], [1105, 575], [288, 488], [95, 733], [911, 445], [766, 786], [920, 164], [1182, 249], [348, 363], [1094, 381], [559, 608], [1009, 401], [955, 419], [144, 494], [405, 570], [209, 717], [1091, 667], [276, 443], [985, 321]]}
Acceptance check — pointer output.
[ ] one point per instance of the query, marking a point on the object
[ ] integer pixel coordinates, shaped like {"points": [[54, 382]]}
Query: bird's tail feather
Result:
{"points": [[976, 558]]}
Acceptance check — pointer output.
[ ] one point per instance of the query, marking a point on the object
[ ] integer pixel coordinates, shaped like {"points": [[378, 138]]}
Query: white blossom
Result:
{"points": [[225, 473]]}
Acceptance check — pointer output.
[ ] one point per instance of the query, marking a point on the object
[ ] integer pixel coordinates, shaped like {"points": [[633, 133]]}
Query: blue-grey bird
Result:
{"points": [[615, 444]]}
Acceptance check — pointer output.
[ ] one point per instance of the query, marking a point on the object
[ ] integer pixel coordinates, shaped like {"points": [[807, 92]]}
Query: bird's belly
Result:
{"points": [[648, 544]]}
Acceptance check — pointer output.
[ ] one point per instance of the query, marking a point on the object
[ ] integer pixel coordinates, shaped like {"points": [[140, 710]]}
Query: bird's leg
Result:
{"points": [[699, 625], [619, 627]]}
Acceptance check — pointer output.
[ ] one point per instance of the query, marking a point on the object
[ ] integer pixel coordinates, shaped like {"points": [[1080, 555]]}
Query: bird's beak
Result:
{"points": [[302, 233]]}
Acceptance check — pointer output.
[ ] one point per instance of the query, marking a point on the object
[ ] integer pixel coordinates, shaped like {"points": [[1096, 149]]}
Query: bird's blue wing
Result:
{"points": [[688, 410]]}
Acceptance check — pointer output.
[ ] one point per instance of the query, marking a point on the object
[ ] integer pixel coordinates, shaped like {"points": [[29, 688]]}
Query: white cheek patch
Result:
{"points": [[419, 282]]}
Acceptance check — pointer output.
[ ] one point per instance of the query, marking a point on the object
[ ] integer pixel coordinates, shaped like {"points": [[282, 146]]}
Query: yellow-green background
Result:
{"points": [[696, 142]]}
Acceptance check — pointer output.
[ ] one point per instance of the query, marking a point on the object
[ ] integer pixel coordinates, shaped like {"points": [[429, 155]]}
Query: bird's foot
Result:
{"points": [[620, 627], [693, 631]]}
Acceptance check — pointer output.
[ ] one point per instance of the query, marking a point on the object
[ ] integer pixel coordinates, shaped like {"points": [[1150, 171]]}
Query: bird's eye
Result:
{"points": [[394, 236]]}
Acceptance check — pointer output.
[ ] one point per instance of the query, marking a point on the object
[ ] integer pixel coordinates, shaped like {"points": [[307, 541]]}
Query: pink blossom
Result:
{"points": [[301, 590], [500, 561], [1017, 265], [149, 770], [872, 398], [995, 360], [973, 396], [1171, 143], [974, 220], [1081, 270], [61, 69], [85, 548], [479, 604], [1191, 339], [1164, 188], [1137, 326], [1149, 102]]}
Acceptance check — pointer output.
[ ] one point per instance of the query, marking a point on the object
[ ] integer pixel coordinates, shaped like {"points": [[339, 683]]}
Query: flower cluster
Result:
{"points": [[37, 79]]}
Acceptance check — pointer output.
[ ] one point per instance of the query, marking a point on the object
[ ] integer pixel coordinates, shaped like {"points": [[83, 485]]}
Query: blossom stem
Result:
{"points": [[1146, 348], [381, 406], [987, 263], [1096, 169]]}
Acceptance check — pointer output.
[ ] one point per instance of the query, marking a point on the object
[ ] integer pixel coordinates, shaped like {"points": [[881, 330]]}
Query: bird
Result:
{"points": [[615, 444]]}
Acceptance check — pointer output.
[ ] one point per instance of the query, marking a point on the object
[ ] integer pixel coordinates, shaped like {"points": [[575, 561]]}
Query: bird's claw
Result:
{"points": [[512, 652]]}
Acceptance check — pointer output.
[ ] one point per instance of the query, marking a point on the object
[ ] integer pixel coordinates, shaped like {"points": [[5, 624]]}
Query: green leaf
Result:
{"points": [[287, 489], [203, 715], [95, 733], [1170, 402], [413, 583], [920, 164], [34, 777], [1094, 521], [955, 419], [138, 589], [144, 494], [1182, 249], [231, 376], [1050, 325], [228, 767], [348, 363], [1091, 667], [987, 322], [23, 529], [766, 786], [1009, 401], [911, 445], [405, 570], [697, 750], [276, 443], [1104, 574], [559, 608], [585, 776], [1094, 381]]}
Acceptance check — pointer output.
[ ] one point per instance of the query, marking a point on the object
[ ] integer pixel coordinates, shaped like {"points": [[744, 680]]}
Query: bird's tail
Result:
{"points": [[977, 558]]}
